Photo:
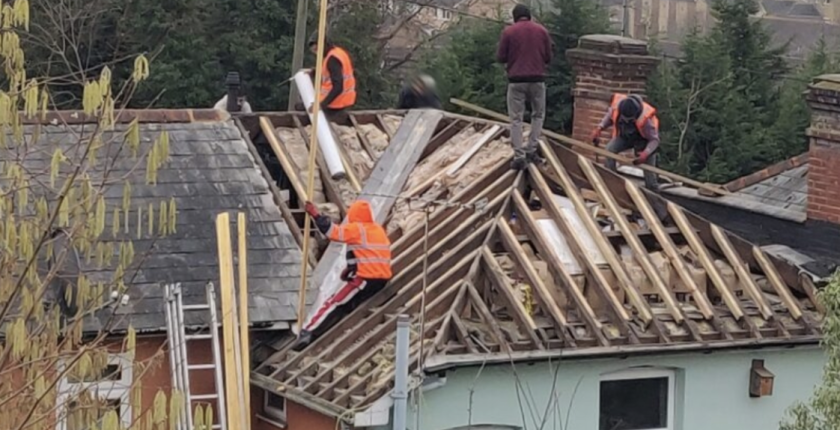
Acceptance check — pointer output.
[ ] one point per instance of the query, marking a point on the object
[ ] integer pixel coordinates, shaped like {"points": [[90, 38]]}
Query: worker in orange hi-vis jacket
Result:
{"points": [[368, 266]]}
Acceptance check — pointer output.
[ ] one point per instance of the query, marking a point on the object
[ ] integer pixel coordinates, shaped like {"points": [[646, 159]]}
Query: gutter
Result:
{"points": [[441, 363]]}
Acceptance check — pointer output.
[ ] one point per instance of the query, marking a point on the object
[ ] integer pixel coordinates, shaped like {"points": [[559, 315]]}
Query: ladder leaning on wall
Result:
{"points": [[180, 366]]}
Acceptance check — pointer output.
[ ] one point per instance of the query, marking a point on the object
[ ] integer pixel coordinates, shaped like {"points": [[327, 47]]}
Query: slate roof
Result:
{"points": [[212, 168], [768, 207], [601, 268]]}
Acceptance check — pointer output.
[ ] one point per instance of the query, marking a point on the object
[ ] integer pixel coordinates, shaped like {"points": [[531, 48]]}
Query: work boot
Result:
{"points": [[534, 158], [519, 164], [303, 340]]}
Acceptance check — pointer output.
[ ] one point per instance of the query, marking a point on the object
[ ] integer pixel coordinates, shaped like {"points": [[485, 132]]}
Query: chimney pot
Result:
{"points": [[233, 83]]}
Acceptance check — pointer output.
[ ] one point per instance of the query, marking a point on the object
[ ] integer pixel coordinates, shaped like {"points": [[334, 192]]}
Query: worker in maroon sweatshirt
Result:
{"points": [[525, 49]]}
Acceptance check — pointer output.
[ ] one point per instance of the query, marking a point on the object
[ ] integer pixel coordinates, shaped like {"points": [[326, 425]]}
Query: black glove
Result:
{"points": [[347, 274]]}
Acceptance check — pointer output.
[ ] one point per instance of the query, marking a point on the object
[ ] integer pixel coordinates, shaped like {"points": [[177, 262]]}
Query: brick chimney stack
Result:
{"points": [[823, 96], [604, 65]]}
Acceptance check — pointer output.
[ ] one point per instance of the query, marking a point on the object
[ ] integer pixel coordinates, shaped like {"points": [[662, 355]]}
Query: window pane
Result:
{"points": [[634, 404], [274, 401], [111, 372]]}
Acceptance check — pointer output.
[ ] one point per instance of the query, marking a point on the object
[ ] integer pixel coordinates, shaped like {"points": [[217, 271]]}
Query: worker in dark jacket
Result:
{"points": [[634, 125], [526, 49], [419, 93], [368, 266], [338, 81]]}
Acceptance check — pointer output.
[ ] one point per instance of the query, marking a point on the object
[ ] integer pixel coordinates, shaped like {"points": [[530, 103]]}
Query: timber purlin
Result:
{"points": [[499, 288]]}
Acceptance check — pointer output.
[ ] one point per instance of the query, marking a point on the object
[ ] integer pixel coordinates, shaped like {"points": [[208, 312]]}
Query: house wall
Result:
{"points": [[297, 417], [711, 391]]}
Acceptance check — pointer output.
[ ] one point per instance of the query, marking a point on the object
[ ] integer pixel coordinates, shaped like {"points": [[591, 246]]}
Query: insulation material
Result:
{"points": [[558, 242], [377, 139], [344, 187], [392, 122], [325, 138], [571, 216], [446, 187], [359, 158]]}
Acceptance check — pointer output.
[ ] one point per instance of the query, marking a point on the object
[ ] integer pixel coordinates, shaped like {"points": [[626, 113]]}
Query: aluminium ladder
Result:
{"points": [[179, 360]]}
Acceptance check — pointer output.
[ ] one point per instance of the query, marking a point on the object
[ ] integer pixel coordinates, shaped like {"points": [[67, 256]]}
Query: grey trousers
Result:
{"points": [[618, 145], [518, 93]]}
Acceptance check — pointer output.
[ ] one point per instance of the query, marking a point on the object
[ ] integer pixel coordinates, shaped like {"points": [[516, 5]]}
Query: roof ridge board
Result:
{"points": [[125, 116]]}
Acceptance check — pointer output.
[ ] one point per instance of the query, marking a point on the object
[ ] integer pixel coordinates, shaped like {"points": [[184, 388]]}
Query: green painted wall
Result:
{"points": [[711, 391]]}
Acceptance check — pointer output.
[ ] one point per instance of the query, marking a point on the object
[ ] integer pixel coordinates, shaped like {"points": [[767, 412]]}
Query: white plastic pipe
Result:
{"points": [[325, 137]]}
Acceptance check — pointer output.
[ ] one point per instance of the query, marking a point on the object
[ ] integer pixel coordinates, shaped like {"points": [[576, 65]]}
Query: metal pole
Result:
{"points": [[400, 394], [300, 48]]}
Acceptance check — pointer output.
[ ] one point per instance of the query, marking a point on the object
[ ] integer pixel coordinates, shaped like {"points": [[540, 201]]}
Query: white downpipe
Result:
{"points": [[325, 137]]}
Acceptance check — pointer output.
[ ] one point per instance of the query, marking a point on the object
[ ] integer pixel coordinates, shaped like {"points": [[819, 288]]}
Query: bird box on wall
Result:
{"points": [[761, 380]]}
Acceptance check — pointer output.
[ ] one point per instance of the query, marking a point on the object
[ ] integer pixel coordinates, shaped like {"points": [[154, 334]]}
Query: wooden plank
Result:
{"points": [[518, 254], [778, 285], [807, 284], [362, 138], [497, 277], [743, 274], [488, 136], [639, 250], [706, 260], [664, 238], [714, 189], [284, 158], [384, 183], [244, 322], [597, 234], [444, 135], [288, 217], [228, 302]]}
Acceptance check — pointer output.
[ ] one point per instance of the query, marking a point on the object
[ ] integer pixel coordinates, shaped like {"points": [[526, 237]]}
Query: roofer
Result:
{"points": [[419, 93], [368, 266], [525, 48], [338, 83], [634, 125]]}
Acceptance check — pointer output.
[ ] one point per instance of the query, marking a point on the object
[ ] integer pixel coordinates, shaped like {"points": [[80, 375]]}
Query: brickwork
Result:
{"points": [[604, 65], [824, 154]]}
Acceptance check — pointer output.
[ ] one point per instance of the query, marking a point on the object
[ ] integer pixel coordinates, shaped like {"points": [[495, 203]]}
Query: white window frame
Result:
{"points": [[110, 390], [647, 373], [271, 414]]}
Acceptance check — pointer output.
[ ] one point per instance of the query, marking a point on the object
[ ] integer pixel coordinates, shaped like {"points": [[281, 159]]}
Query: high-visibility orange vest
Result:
{"points": [[347, 97], [366, 239], [648, 114]]}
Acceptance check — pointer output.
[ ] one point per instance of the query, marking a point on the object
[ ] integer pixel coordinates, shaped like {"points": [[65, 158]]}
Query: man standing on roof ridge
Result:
{"points": [[368, 266], [338, 81], [419, 93], [634, 125], [525, 48]]}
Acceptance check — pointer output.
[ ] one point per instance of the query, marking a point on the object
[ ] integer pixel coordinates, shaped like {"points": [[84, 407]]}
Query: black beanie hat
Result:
{"points": [[521, 11], [631, 107]]}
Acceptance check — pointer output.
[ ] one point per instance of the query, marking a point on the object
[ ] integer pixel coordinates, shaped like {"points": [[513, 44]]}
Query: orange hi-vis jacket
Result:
{"points": [[347, 97], [368, 246], [648, 114]]}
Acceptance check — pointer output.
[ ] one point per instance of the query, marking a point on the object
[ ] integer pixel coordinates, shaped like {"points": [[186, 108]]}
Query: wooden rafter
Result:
{"points": [[639, 251], [488, 318], [518, 254], [363, 139], [603, 244], [499, 280], [706, 260]]}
